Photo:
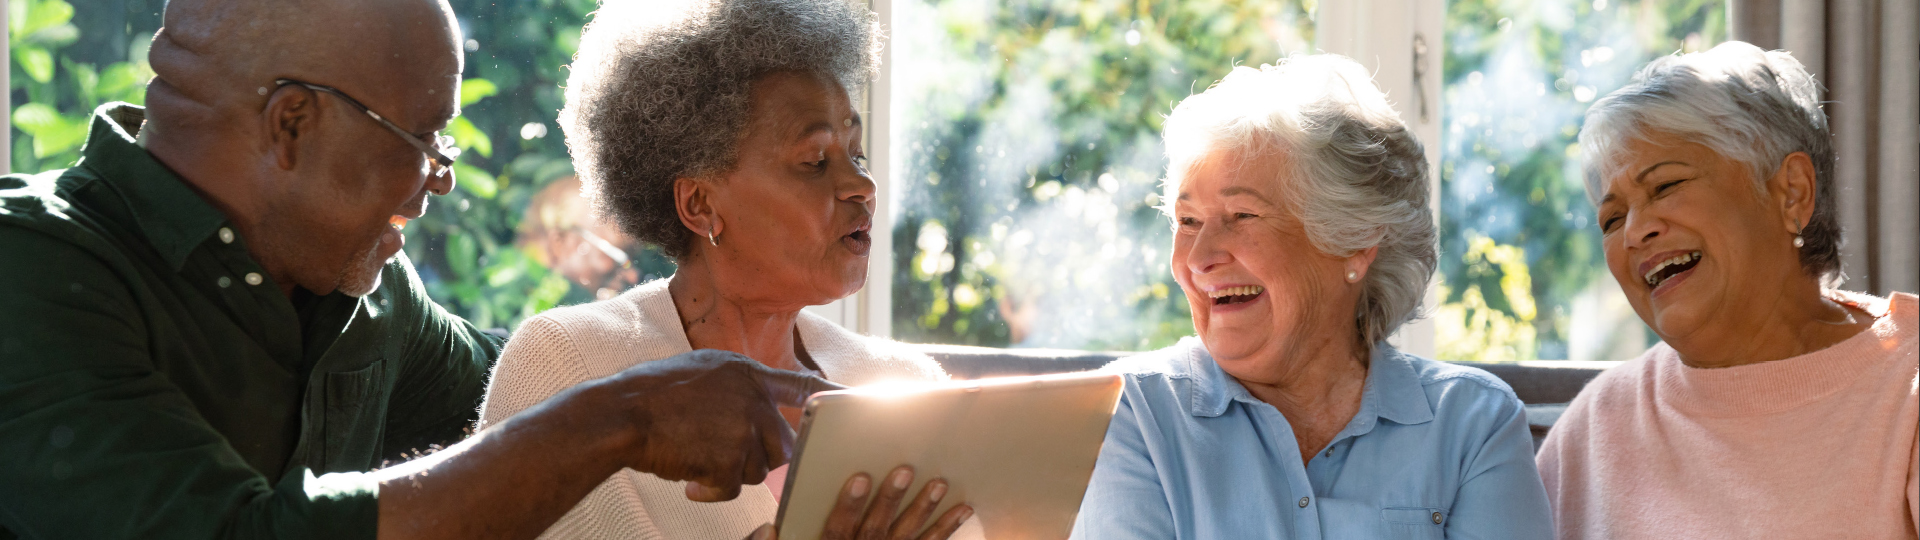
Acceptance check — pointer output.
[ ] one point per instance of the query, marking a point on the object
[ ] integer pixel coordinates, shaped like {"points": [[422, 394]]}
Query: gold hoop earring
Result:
{"points": [[710, 239]]}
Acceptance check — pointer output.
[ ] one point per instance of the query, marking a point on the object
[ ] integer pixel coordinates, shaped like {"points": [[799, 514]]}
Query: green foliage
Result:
{"points": [[67, 61], [58, 74], [1029, 169], [1519, 75]]}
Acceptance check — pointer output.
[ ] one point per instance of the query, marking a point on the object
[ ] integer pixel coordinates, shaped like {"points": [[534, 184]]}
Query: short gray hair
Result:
{"points": [[1359, 175], [1747, 104], [660, 90]]}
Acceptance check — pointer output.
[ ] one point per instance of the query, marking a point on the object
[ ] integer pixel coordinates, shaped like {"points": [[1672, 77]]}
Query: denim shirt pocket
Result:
{"points": [[356, 417], [1415, 522]]}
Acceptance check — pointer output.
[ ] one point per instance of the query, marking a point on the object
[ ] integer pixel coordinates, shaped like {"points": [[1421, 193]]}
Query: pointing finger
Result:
{"points": [[792, 389]]}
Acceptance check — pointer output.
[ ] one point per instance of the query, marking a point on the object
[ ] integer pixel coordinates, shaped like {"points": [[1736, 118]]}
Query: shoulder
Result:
{"points": [[1161, 379], [43, 205], [1614, 392], [849, 357], [1173, 362], [1447, 383]]}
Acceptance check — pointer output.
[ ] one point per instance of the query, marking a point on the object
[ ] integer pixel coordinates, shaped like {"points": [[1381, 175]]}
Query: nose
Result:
{"points": [[1208, 251], [1642, 228], [855, 185], [440, 183]]}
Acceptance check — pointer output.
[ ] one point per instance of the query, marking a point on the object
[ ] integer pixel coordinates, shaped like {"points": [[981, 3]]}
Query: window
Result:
{"points": [[1020, 144], [1522, 274], [1027, 161]]}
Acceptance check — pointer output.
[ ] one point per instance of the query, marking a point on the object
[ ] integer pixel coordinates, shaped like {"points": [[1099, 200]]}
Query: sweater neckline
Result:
{"points": [[827, 343], [1781, 385]]}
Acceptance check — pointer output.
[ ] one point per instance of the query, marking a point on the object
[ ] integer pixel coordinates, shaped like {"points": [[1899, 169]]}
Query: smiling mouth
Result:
{"points": [[1236, 295], [1669, 268]]}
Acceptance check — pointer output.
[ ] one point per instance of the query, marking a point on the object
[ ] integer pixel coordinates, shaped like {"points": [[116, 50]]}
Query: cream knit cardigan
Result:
{"points": [[570, 345]]}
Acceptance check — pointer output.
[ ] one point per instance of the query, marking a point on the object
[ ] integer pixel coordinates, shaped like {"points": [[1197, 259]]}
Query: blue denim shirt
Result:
{"points": [[1436, 451]]}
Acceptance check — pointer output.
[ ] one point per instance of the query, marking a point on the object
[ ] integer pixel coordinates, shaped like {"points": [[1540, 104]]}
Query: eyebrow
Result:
{"points": [[1641, 178], [1231, 191], [817, 127], [1239, 190]]}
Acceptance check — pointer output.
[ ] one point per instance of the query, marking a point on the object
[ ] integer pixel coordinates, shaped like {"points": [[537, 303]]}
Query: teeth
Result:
{"points": [[1243, 290], [1680, 259]]}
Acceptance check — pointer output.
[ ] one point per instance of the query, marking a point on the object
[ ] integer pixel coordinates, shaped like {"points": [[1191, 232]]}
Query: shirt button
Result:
{"points": [[224, 282], [1303, 501], [1437, 518], [253, 278], [226, 235]]}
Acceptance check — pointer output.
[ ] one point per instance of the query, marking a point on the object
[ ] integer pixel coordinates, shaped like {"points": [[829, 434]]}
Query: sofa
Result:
{"points": [[1545, 386]]}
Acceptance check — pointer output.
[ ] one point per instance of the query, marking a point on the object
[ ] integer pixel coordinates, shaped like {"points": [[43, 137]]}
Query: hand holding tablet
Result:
{"points": [[1017, 451]]}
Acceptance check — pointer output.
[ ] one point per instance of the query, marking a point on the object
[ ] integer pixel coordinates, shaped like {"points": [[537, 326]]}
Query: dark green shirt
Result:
{"points": [[155, 383]]}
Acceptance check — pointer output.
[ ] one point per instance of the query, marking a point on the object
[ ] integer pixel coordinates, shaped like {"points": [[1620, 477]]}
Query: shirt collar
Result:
{"points": [[1393, 391], [174, 218]]}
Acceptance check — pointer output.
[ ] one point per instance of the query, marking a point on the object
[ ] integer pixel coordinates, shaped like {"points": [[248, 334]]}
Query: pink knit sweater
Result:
{"points": [[1816, 446]]}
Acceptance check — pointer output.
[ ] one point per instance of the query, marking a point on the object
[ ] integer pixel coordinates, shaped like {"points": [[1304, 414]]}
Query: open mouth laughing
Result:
{"points": [[1240, 294], [1658, 272]]}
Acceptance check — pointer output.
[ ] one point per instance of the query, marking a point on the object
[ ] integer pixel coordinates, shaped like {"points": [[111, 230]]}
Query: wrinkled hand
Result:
{"points": [[707, 417], [847, 521]]}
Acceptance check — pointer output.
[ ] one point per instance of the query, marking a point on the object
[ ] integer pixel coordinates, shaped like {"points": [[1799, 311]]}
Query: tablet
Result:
{"points": [[1019, 450]]}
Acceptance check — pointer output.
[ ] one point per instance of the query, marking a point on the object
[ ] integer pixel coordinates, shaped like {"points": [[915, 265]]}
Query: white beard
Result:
{"points": [[362, 275]]}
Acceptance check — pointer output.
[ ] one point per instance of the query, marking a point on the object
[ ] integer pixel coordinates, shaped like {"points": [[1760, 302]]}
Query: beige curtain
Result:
{"points": [[1867, 53]]}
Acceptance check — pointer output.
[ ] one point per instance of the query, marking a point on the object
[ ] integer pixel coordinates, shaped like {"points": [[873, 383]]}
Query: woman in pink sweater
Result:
{"points": [[1777, 406]]}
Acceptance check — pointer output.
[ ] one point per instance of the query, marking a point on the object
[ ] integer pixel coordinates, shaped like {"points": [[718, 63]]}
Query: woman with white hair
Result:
{"points": [[722, 131], [1775, 406], [1302, 240]]}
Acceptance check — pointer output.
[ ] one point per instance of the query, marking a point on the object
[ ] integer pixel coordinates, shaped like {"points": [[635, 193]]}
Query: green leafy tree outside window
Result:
{"points": [[70, 57]]}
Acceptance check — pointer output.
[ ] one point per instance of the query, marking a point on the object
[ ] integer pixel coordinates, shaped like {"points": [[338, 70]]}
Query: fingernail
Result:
{"points": [[939, 490], [966, 513], [901, 477], [859, 488], [765, 532]]}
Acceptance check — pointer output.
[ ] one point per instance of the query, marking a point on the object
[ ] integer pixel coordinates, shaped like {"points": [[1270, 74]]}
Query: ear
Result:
{"points": [[1792, 191], [291, 114], [1358, 263], [693, 200]]}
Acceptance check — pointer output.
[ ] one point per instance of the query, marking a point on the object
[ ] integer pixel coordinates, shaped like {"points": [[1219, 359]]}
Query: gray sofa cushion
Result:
{"points": [[1544, 386]]}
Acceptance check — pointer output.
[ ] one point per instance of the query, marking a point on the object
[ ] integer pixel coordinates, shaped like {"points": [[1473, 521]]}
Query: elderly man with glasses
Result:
{"points": [[208, 329]]}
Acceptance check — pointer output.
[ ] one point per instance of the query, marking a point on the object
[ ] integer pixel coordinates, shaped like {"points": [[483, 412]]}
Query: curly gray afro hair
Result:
{"points": [[660, 90]]}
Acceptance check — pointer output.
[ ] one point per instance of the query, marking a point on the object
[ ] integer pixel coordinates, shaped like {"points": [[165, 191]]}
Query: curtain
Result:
{"points": [[1867, 54]]}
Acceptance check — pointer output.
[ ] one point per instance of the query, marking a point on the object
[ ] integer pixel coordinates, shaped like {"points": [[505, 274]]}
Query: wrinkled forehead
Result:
{"points": [[792, 106]]}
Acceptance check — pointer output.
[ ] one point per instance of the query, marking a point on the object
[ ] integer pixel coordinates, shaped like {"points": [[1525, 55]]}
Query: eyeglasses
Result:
{"points": [[440, 153]]}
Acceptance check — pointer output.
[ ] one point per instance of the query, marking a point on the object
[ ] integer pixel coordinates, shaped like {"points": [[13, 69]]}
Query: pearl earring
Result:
{"points": [[1798, 241], [1352, 276]]}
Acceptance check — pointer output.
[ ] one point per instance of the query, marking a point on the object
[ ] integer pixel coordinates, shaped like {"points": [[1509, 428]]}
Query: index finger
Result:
{"points": [[792, 389]]}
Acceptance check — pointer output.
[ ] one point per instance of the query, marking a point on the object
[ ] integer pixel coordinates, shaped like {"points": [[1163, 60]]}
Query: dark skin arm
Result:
{"points": [[708, 417]]}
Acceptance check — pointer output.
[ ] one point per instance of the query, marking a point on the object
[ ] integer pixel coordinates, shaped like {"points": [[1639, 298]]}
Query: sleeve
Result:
{"points": [[444, 376], [540, 361], [96, 443], [1125, 499], [1501, 495], [1913, 488]]}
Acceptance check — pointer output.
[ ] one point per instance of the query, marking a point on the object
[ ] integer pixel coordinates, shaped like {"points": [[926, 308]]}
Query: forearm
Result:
{"points": [[512, 480]]}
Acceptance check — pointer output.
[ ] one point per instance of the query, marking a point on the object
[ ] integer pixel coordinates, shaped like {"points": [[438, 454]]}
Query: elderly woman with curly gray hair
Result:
{"points": [[724, 133], [1303, 239], [1776, 405]]}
